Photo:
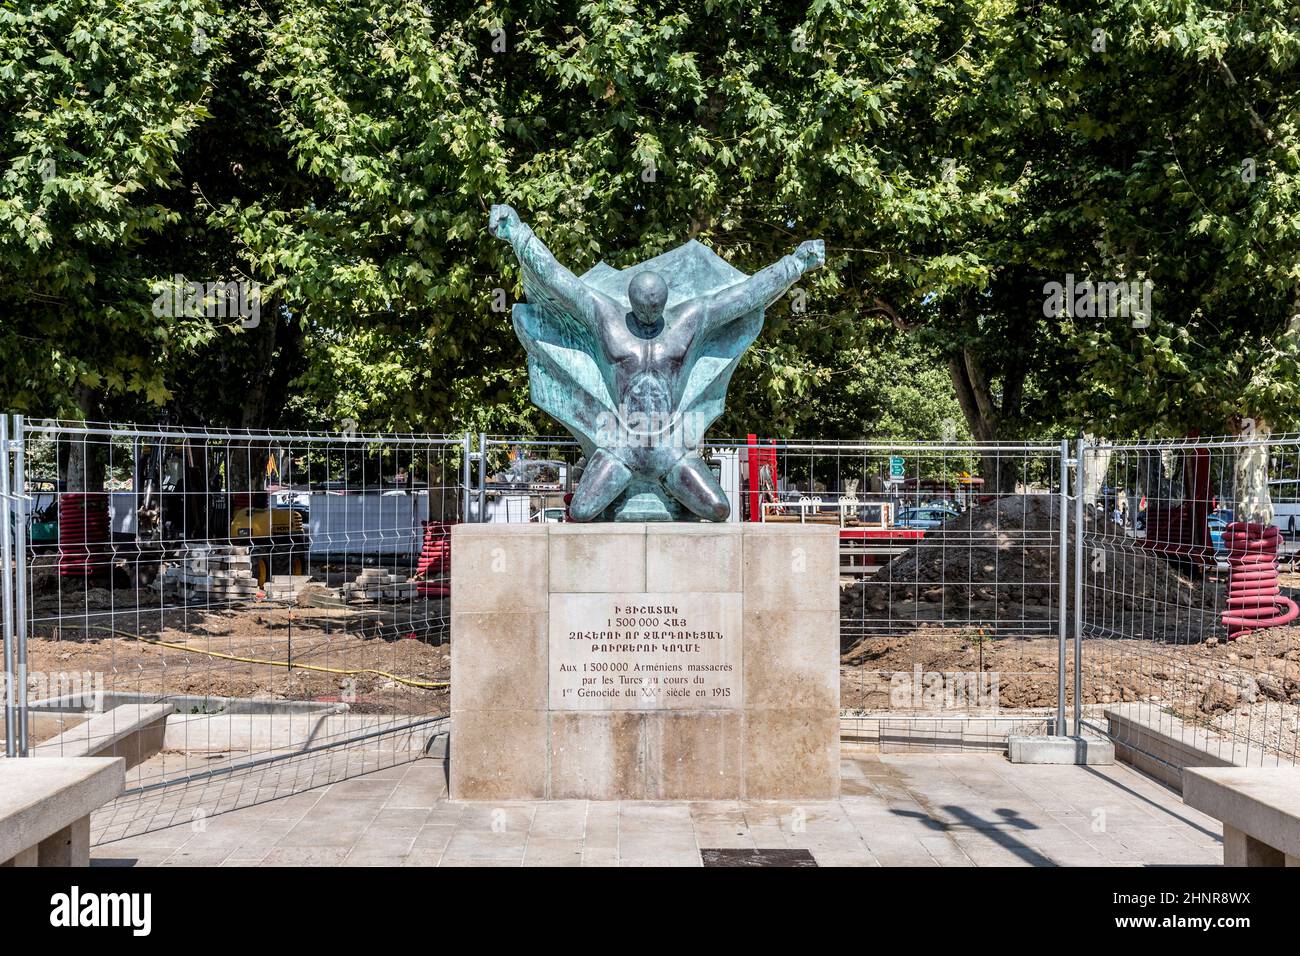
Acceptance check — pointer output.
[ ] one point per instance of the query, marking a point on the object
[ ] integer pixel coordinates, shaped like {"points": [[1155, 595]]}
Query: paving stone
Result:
{"points": [[433, 838], [305, 856], [920, 810], [332, 833], [543, 851], [203, 856], [401, 817], [471, 845], [423, 856], [599, 856]]}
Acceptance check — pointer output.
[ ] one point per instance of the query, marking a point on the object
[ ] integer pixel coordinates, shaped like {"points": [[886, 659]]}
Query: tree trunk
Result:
{"points": [[264, 396], [82, 461], [984, 416], [246, 472], [1252, 501], [1153, 481], [1097, 472], [278, 356]]}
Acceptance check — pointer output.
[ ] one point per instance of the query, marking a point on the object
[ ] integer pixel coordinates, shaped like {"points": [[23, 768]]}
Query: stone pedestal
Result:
{"points": [[645, 661]]}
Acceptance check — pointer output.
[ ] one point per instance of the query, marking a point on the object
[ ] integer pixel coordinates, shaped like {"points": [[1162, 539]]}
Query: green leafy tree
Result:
{"points": [[956, 156], [97, 100], [1189, 179]]}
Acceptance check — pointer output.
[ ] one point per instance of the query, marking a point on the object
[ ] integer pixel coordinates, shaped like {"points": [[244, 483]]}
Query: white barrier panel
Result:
{"points": [[121, 511], [367, 524]]}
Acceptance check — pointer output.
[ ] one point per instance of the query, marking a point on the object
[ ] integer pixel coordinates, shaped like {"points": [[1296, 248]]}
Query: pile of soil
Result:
{"points": [[1249, 687], [978, 597], [121, 633], [999, 562], [1011, 542]]}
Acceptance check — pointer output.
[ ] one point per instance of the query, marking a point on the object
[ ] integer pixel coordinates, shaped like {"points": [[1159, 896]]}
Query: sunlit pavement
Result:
{"points": [[896, 810]]}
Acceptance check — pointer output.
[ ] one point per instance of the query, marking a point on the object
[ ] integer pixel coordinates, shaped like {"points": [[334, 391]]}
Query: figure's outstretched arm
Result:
{"points": [[570, 292], [765, 286]]}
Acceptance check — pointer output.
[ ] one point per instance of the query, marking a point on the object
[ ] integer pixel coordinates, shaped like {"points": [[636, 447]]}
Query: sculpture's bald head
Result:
{"points": [[648, 293]]}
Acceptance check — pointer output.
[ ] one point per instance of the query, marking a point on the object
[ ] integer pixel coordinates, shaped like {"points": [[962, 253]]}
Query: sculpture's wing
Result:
{"points": [[564, 364], [693, 270], [566, 370], [712, 359]]}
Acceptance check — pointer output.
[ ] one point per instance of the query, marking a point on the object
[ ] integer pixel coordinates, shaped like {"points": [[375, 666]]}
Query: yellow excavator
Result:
{"points": [[279, 542]]}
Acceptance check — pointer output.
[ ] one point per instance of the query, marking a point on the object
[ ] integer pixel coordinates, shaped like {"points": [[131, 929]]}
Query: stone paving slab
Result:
{"points": [[901, 810]]}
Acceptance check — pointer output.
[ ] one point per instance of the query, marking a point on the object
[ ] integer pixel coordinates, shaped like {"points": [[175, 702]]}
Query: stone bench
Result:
{"points": [[46, 803], [1259, 808], [134, 732], [1162, 746]]}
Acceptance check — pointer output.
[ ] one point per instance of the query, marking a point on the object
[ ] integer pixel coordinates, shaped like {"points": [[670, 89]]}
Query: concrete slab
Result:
{"points": [[134, 732], [917, 810], [1082, 751], [1258, 806], [1162, 745]]}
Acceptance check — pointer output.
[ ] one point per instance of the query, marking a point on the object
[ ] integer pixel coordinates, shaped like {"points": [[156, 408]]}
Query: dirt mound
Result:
{"points": [[1248, 689], [999, 562], [983, 554], [251, 657]]}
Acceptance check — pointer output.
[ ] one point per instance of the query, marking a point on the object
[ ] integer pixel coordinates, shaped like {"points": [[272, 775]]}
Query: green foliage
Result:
{"points": [[956, 155], [617, 133], [1190, 180], [97, 100]]}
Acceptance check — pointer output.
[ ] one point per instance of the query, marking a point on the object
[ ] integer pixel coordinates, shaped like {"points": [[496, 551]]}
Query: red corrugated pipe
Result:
{"points": [[84, 543], [435, 561], [1254, 597]]}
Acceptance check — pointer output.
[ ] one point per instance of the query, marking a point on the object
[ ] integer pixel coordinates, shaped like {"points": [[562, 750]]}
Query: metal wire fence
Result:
{"points": [[210, 602], [246, 614], [950, 554], [1186, 597]]}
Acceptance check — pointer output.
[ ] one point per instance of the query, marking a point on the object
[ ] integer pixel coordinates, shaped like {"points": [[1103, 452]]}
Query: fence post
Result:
{"points": [[1062, 584], [7, 586], [482, 475], [18, 439], [466, 445], [1080, 480]]}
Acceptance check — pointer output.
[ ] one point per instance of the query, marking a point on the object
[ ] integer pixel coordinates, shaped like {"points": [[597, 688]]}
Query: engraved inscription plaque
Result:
{"points": [[645, 651]]}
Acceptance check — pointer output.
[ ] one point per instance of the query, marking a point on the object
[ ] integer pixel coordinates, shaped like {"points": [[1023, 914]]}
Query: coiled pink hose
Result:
{"points": [[1254, 597]]}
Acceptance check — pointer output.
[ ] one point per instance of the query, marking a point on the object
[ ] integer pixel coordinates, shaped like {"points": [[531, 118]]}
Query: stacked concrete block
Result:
{"points": [[376, 584], [215, 574], [285, 587]]}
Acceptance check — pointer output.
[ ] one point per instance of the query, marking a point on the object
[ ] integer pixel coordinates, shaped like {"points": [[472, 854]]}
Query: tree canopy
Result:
{"points": [[957, 157]]}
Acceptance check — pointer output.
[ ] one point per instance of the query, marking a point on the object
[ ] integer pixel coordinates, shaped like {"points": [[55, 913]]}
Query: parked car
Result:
{"points": [[926, 519]]}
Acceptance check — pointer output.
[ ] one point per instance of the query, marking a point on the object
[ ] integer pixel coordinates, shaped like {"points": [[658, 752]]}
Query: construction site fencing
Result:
{"points": [[1186, 589], [951, 554], [247, 614], [241, 614]]}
